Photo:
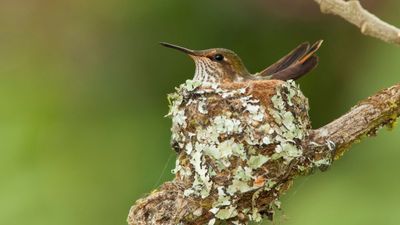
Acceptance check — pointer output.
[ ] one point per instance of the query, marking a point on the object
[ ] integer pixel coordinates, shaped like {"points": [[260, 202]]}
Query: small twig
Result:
{"points": [[369, 24]]}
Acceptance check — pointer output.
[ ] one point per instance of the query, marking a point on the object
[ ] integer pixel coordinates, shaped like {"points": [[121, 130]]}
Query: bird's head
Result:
{"points": [[215, 65]]}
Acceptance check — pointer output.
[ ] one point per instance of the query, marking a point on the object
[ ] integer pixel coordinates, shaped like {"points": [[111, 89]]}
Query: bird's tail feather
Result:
{"points": [[294, 65]]}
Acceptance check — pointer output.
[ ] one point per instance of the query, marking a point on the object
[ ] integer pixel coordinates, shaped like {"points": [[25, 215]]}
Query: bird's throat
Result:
{"points": [[206, 72]]}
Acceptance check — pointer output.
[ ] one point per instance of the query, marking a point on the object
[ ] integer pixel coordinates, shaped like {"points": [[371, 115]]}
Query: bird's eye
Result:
{"points": [[218, 57]]}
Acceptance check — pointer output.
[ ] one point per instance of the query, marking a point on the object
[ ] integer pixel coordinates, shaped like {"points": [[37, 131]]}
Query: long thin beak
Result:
{"points": [[179, 48]]}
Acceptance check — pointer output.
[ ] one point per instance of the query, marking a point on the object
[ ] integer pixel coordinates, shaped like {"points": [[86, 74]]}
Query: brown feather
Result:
{"points": [[294, 65], [287, 60], [311, 51], [297, 70]]}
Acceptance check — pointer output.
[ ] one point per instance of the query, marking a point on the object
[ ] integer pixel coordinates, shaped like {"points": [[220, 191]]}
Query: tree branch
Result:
{"points": [[364, 119], [369, 24]]}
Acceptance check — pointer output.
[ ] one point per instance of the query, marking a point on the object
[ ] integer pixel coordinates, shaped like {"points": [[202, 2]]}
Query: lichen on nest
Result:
{"points": [[235, 145]]}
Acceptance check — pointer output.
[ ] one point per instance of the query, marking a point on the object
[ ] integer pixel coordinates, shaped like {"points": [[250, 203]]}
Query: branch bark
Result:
{"points": [[364, 119], [369, 24]]}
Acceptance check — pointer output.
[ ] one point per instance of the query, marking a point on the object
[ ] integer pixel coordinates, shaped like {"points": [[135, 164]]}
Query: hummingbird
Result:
{"points": [[218, 65]]}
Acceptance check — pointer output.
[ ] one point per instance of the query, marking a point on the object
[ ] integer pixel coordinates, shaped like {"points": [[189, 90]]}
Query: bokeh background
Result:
{"points": [[83, 88]]}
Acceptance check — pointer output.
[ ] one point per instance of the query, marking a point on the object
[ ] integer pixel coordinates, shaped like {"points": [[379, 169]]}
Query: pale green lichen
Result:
{"points": [[322, 162], [277, 203], [179, 118], [269, 185], [212, 221], [190, 85], [198, 212], [223, 199], [189, 148], [208, 135], [256, 161], [230, 142], [239, 186], [222, 152], [288, 120], [226, 125], [266, 140], [202, 107], [178, 167], [255, 215], [240, 181], [226, 213], [176, 99], [183, 171], [202, 183], [244, 174], [287, 151], [288, 127]]}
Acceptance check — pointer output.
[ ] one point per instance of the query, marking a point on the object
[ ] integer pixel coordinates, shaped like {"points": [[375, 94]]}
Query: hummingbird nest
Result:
{"points": [[240, 145]]}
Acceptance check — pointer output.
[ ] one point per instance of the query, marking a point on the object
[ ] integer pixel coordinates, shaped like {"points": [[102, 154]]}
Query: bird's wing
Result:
{"points": [[295, 64]]}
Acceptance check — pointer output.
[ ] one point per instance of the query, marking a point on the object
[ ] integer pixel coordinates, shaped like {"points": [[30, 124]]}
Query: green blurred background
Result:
{"points": [[83, 89]]}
